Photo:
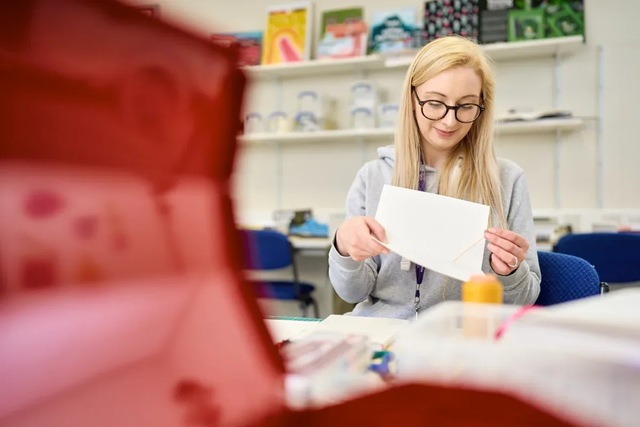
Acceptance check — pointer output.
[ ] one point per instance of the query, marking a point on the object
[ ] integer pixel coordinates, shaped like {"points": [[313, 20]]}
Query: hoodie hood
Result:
{"points": [[388, 155]]}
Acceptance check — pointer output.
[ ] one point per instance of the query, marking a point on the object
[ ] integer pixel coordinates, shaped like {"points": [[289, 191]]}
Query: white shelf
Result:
{"points": [[533, 48], [514, 128], [538, 126], [497, 51], [316, 67], [319, 136], [507, 51]]}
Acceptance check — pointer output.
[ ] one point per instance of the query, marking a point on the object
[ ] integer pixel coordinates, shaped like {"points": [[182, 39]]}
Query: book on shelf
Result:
{"points": [[249, 45], [287, 37], [527, 116], [517, 20], [343, 34], [393, 30], [444, 17]]}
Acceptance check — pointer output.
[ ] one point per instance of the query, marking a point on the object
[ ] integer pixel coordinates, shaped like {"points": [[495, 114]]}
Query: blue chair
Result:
{"points": [[566, 278], [616, 256], [270, 250]]}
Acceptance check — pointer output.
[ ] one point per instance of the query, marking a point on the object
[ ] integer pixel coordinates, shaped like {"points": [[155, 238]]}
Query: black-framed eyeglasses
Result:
{"points": [[433, 109]]}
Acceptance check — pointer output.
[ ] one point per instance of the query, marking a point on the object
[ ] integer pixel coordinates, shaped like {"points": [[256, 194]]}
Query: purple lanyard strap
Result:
{"points": [[422, 186]]}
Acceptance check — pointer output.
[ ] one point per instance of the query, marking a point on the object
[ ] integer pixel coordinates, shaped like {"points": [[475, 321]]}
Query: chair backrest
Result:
{"points": [[565, 278], [266, 250], [616, 256]]}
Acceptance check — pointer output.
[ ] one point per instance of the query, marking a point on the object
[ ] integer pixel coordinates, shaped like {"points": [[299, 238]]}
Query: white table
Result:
{"points": [[311, 245]]}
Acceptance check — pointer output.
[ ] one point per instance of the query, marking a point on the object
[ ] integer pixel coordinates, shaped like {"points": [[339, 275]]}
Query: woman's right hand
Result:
{"points": [[354, 240]]}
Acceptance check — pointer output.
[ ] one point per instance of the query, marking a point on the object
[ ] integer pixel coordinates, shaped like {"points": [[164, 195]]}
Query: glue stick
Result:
{"points": [[476, 319], [482, 288]]}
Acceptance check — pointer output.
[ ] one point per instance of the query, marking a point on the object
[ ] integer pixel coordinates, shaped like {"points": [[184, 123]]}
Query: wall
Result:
{"points": [[319, 176]]}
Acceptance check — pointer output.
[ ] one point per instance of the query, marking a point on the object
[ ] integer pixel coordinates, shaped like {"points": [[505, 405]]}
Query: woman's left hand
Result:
{"points": [[508, 250]]}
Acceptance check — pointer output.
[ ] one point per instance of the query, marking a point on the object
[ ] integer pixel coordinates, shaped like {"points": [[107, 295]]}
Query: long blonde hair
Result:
{"points": [[477, 179]]}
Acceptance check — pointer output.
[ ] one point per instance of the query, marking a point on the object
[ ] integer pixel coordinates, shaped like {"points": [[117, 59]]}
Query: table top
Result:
{"points": [[310, 243], [283, 328]]}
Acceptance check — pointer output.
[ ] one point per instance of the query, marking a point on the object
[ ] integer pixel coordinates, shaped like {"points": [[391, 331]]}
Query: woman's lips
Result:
{"points": [[445, 134]]}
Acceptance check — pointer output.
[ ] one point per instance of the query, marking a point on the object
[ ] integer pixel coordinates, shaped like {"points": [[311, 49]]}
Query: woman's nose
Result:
{"points": [[449, 119]]}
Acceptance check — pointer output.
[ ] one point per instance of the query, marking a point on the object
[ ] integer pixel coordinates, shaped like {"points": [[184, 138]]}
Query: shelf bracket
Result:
{"points": [[279, 160], [600, 127], [279, 175], [558, 151]]}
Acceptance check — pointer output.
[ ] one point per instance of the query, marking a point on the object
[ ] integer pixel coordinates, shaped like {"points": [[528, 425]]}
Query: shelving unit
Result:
{"points": [[361, 67], [514, 128], [497, 52]]}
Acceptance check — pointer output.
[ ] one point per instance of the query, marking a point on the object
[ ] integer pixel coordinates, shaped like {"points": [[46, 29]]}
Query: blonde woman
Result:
{"points": [[444, 145]]}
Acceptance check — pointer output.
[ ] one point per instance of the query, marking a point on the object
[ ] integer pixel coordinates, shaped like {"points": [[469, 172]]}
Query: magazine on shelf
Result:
{"points": [[343, 34], [392, 30], [249, 45], [287, 36]]}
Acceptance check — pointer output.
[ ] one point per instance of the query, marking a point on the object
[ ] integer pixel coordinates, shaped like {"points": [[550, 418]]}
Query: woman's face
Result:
{"points": [[453, 87]]}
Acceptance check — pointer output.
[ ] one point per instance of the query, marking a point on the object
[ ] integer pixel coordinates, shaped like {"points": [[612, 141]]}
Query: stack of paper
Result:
{"points": [[378, 329], [613, 315], [282, 330]]}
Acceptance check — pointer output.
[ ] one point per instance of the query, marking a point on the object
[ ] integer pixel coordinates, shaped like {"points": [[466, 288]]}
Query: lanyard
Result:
{"points": [[422, 185]]}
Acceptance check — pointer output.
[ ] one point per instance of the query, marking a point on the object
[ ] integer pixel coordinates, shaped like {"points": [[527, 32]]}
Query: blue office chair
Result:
{"points": [[566, 278], [616, 256], [271, 250]]}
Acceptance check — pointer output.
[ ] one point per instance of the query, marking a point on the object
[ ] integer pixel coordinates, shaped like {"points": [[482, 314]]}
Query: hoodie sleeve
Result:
{"points": [[523, 285], [353, 280]]}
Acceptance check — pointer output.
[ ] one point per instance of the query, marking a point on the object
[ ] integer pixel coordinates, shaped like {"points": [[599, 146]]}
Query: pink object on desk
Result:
{"points": [[514, 317]]}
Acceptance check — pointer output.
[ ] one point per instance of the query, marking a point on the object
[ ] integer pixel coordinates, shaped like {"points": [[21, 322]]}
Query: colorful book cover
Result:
{"points": [[562, 17], [393, 30], [343, 34], [249, 45], [526, 25], [287, 37], [444, 17]]}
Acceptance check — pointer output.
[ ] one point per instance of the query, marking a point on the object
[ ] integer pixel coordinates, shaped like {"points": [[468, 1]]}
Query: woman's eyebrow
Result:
{"points": [[445, 96], [435, 93]]}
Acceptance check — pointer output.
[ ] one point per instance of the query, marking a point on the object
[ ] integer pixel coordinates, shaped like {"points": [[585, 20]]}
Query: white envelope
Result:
{"points": [[440, 233]]}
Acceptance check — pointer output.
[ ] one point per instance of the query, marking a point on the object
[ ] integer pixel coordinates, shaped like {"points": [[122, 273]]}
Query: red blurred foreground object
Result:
{"points": [[123, 302]]}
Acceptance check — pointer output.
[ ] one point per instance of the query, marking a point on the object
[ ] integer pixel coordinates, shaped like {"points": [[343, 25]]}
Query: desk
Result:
{"points": [[311, 245], [283, 328]]}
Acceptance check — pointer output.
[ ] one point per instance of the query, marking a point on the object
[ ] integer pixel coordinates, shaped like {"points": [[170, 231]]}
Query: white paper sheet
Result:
{"points": [[380, 330], [442, 234], [281, 329]]}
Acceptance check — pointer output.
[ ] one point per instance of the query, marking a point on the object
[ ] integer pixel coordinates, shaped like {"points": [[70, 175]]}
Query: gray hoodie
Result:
{"points": [[381, 288]]}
